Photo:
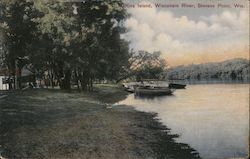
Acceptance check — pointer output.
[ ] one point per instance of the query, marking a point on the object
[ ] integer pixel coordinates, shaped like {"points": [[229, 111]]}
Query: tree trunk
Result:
{"points": [[91, 84], [18, 76], [77, 79], [65, 82]]}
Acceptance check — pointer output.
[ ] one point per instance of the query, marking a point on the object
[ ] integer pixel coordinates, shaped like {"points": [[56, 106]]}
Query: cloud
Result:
{"points": [[181, 37]]}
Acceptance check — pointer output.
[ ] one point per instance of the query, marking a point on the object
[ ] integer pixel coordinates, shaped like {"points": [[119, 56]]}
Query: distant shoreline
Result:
{"points": [[230, 71], [210, 81]]}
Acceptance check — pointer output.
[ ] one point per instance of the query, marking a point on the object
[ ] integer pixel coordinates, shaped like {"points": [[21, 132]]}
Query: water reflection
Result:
{"points": [[213, 119]]}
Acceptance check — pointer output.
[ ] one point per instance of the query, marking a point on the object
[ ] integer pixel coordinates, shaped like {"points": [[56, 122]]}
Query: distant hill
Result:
{"points": [[235, 69]]}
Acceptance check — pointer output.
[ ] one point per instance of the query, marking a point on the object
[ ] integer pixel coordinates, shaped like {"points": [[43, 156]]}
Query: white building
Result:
{"points": [[2, 85], [4, 75]]}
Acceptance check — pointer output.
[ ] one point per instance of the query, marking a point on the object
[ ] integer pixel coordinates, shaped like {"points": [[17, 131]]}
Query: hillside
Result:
{"points": [[235, 69]]}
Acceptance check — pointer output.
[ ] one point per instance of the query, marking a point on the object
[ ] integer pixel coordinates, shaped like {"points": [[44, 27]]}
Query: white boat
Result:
{"points": [[130, 87]]}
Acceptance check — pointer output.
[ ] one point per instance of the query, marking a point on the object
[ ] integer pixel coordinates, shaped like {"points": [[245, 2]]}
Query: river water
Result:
{"points": [[211, 118]]}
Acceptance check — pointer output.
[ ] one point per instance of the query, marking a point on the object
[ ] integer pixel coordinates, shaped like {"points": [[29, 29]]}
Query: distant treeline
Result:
{"points": [[235, 69]]}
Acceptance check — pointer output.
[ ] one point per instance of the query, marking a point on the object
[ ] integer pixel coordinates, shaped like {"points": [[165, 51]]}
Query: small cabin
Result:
{"points": [[3, 84], [26, 78], [3, 79]]}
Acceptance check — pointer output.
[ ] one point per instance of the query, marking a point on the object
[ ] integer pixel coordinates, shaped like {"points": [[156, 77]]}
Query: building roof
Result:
{"points": [[3, 71]]}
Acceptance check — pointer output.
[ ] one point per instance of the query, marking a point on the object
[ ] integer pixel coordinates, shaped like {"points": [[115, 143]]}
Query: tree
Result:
{"points": [[102, 54], [18, 29], [149, 66], [68, 42], [55, 37], [85, 41]]}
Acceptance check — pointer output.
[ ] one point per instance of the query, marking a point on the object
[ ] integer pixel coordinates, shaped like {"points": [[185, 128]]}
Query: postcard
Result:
{"points": [[124, 79]]}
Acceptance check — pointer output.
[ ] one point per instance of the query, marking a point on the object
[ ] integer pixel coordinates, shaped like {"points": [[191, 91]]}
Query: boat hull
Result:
{"points": [[153, 91], [177, 86], [130, 90]]}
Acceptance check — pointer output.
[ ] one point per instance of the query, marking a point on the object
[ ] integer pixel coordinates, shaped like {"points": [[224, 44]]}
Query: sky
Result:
{"points": [[189, 35]]}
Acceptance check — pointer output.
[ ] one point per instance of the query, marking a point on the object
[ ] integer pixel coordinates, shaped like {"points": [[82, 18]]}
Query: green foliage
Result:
{"points": [[71, 42], [147, 65], [18, 31], [74, 42]]}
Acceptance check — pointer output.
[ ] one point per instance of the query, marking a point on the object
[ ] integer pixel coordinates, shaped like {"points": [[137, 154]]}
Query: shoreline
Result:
{"points": [[57, 124], [158, 138]]}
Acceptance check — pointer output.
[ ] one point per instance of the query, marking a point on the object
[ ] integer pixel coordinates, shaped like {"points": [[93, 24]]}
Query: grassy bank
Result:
{"points": [[57, 124]]}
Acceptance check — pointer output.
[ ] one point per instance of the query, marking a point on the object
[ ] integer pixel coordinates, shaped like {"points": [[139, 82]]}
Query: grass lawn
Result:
{"points": [[43, 123]]}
